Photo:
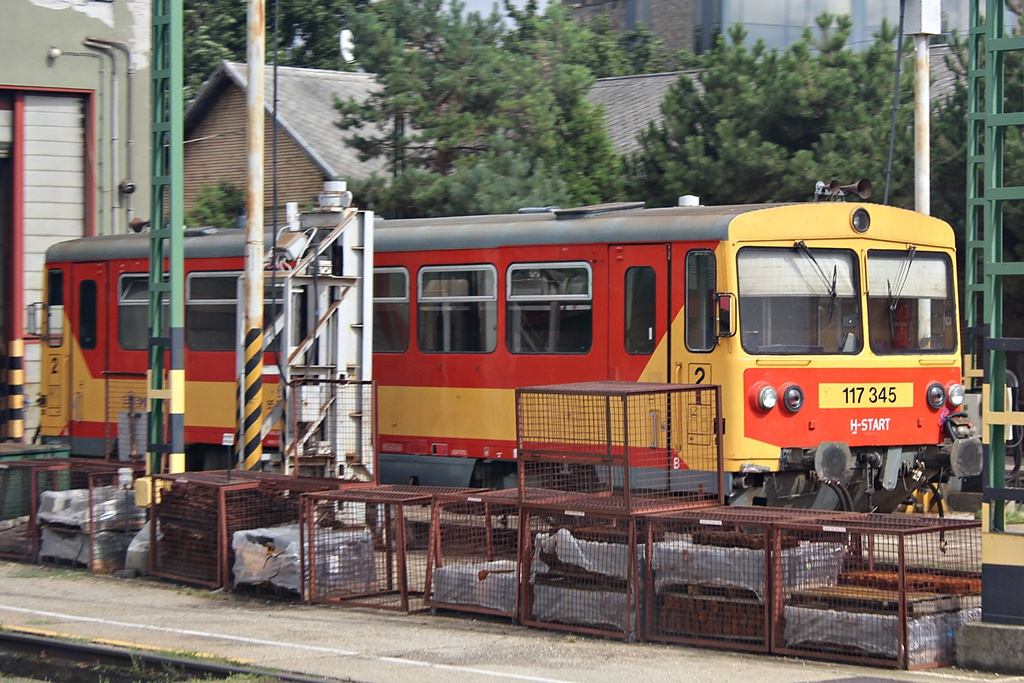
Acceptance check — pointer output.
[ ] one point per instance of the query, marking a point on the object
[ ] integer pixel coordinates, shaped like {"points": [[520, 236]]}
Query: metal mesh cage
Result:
{"points": [[642, 446], [366, 546], [334, 428], [200, 518], [21, 484], [46, 508], [126, 428], [474, 554], [581, 572], [709, 575], [881, 589], [114, 519]]}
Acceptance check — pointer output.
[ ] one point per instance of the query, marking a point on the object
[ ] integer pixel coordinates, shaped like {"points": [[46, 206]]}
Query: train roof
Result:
{"points": [[612, 223], [625, 223], [198, 243], [587, 224]]}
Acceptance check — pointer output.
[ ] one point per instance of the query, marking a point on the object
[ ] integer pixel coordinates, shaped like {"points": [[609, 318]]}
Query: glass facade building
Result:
{"points": [[780, 23]]}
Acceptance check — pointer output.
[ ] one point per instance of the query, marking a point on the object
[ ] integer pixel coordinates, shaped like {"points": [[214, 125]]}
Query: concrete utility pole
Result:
{"points": [[252, 376], [924, 19]]}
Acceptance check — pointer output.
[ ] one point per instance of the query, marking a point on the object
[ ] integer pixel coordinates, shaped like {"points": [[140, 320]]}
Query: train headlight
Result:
{"points": [[793, 398], [955, 395], [763, 396], [860, 220], [936, 395]]}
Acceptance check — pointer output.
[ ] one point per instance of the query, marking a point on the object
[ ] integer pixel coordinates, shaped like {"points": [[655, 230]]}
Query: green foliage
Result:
{"points": [[215, 30], [217, 205], [461, 91], [498, 180], [760, 125]]}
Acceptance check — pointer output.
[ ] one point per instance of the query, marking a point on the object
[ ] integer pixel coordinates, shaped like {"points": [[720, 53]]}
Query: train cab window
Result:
{"points": [[457, 309], [799, 300], [211, 311], [701, 285], [390, 310], [910, 302], [550, 308], [641, 317], [55, 308], [87, 314]]}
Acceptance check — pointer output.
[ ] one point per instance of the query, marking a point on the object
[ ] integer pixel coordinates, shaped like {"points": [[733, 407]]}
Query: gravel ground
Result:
{"points": [[367, 645]]}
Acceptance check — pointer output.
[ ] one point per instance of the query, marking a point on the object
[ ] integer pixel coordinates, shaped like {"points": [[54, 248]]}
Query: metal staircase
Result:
{"points": [[316, 330]]}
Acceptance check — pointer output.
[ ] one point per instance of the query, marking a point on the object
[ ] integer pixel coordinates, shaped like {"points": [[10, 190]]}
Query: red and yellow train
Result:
{"points": [[831, 327]]}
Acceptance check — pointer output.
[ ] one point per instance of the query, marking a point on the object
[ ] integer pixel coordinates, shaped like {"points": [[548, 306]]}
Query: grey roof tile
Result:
{"points": [[305, 111], [632, 102]]}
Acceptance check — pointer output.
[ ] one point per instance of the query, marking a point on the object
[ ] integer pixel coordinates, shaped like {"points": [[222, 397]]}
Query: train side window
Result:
{"points": [[390, 310], [641, 317], [550, 308], [133, 313], [87, 314], [700, 300], [55, 308], [211, 303], [457, 309]]}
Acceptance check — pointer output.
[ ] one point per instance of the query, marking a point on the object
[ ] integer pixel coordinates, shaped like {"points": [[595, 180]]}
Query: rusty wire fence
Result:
{"points": [[126, 425], [881, 589], [581, 572], [200, 518], [46, 511], [367, 547], [637, 446], [473, 563], [333, 429], [22, 482], [115, 519], [709, 578]]}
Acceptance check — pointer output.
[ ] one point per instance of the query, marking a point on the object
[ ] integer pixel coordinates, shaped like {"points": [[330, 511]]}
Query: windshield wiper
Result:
{"points": [[801, 246], [894, 293]]}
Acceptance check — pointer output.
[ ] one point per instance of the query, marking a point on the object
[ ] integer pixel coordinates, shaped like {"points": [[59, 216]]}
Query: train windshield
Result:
{"points": [[798, 300], [910, 302]]}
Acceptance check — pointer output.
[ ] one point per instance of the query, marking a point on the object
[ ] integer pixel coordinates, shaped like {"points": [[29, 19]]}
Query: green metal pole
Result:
{"points": [[166, 253]]}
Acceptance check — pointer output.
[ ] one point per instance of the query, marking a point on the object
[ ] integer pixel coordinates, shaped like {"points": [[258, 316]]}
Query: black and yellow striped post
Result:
{"points": [[16, 390], [252, 377], [252, 420]]}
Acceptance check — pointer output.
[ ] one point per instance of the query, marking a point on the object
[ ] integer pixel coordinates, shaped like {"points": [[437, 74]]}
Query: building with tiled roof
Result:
{"points": [[631, 103], [310, 147]]}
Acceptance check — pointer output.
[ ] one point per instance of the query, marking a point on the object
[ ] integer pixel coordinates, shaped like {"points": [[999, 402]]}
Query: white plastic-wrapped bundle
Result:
{"points": [[267, 556], [491, 585], [345, 562]]}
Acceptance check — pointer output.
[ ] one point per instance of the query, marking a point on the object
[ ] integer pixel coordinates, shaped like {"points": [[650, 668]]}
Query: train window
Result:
{"points": [[700, 308], [641, 317], [457, 309], [55, 308], [211, 303], [87, 314], [390, 310], [550, 308], [798, 300], [273, 307], [133, 313], [910, 302]]}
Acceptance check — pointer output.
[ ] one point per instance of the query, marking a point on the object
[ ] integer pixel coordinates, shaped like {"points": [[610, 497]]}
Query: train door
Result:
{"points": [[638, 312], [53, 418], [695, 281], [89, 337]]}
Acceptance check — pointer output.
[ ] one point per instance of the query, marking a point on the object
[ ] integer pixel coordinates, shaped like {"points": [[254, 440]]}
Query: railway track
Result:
{"points": [[41, 657]]}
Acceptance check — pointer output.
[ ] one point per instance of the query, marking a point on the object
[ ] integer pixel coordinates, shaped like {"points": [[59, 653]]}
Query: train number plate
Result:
{"points": [[874, 395]]}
